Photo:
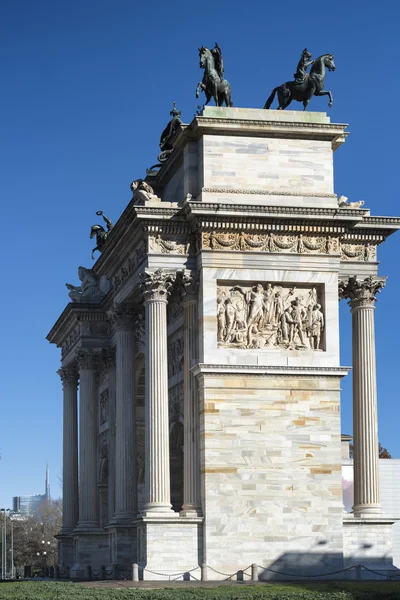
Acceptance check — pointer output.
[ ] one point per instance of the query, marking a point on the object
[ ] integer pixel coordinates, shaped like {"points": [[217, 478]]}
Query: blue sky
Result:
{"points": [[86, 89]]}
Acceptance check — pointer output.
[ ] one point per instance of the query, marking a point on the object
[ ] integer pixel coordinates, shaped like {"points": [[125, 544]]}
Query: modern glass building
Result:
{"points": [[30, 505]]}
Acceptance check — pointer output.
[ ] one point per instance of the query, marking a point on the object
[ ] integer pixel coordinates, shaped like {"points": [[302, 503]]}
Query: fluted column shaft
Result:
{"points": [[191, 472], [362, 297], [88, 426], [125, 410], [69, 377], [157, 471]]}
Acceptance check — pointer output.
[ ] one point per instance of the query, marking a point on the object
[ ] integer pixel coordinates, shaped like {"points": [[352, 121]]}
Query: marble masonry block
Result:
{"points": [[271, 471], [274, 165]]}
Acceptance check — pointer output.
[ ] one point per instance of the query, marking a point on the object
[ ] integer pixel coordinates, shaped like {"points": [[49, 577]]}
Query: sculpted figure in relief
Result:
{"points": [[271, 316]]}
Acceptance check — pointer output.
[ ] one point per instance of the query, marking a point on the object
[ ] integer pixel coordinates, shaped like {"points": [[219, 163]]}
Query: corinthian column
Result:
{"points": [[191, 472], [121, 318], [88, 501], [155, 287], [362, 297], [69, 378]]}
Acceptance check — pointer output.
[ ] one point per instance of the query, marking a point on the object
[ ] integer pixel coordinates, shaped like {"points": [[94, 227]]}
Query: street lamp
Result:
{"points": [[4, 545], [45, 550]]}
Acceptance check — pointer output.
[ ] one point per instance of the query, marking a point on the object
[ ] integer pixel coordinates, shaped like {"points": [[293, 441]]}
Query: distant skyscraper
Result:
{"points": [[30, 505]]}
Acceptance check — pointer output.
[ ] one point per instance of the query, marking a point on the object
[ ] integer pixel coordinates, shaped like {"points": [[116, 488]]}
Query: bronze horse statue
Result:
{"points": [[313, 85], [100, 233], [213, 84]]}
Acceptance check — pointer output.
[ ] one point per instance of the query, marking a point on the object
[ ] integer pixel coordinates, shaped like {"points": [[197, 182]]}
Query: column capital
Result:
{"points": [[188, 286], [121, 317], [69, 376], [361, 292], [156, 285], [87, 359]]}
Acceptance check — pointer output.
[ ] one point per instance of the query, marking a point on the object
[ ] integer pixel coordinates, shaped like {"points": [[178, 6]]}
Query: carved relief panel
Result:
{"points": [[266, 315]]}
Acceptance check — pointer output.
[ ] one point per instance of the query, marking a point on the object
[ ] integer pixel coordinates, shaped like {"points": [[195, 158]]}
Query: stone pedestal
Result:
{"points": [[169, 547]]}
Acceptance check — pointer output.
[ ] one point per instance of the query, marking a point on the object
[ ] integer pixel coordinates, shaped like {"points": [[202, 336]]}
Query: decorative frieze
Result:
{"points": [[270, 316], [270, 242], [288, 243], [129, 265], [361, 292], [70, 340], [169, 245]]}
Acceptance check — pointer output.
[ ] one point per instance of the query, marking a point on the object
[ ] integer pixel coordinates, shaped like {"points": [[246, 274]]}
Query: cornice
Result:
{"points": [[257, 192], [262, 370], [73, 314]]}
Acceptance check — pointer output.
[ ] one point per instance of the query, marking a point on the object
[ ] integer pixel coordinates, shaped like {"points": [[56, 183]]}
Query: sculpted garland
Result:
{"points": [[298, 243], [267, 316]]}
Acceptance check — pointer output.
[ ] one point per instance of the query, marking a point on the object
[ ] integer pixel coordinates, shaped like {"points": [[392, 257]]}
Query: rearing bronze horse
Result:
{"points": [[313, 85]]}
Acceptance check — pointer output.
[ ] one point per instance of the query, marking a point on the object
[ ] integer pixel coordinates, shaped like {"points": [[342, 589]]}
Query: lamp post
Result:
{"points": [[4, 544], [43, 553]]}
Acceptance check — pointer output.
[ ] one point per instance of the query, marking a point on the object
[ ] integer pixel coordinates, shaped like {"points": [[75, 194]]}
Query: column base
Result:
{"points": [[190, 510], [88, 526], [155, 509], [124, 519], [367, 511]]}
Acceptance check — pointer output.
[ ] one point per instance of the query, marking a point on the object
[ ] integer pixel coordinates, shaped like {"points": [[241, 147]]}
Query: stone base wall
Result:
{"points": [[65, 550], [123, 547], [368, 542], [167, 548], [271, 472], [91, 548]]}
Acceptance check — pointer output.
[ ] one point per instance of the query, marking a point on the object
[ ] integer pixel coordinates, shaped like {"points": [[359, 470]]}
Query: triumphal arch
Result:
{"points": [[204, 342]]}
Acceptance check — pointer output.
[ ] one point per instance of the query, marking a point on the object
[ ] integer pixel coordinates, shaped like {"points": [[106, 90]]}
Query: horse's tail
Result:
{"points": [[271, 98]]}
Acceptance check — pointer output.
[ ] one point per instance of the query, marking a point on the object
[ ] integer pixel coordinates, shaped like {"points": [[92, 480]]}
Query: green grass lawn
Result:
{"points": [[40, 590]]}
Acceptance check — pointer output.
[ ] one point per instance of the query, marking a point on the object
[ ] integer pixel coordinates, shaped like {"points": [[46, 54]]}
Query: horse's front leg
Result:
{"points": [[326, 93], [93, 251], [200, 87]]}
